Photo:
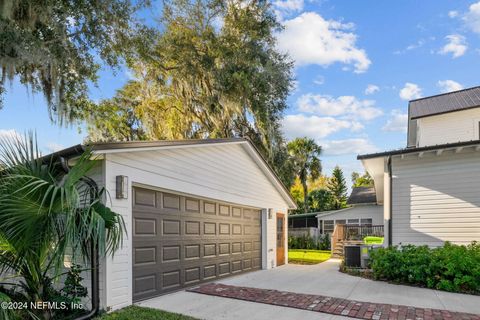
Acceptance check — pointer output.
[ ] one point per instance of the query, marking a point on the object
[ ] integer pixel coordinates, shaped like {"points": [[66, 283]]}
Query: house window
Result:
{"points": [[328, 226], [366, 222], [352, 222], [341, 221]]}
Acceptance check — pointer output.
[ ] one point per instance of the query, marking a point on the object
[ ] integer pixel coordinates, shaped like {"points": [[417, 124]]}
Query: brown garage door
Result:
{"points": [[180, 241]]}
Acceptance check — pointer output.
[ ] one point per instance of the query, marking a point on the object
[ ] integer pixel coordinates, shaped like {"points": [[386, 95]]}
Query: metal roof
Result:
{"points": [[302, 215], [444, 103], [418, 149], [362, 195]]}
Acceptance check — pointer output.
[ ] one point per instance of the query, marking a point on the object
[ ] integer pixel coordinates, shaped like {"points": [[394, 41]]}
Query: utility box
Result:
{"points": [[364, 255], [352, 256]]}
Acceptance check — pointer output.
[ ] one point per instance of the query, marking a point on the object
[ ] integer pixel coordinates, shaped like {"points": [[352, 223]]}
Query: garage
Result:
{"points": [[194, 211], [180, 241]]}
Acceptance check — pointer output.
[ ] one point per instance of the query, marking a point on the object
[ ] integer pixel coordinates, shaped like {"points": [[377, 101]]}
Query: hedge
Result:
{"points": [[454, 268]]}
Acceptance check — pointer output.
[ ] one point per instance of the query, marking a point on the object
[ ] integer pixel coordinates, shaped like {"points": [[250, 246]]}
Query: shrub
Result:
{"points": [[451, 267], [309, 243]]}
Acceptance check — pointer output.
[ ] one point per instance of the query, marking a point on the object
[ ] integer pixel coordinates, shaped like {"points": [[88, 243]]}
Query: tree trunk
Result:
{"points": [[305, 194]]}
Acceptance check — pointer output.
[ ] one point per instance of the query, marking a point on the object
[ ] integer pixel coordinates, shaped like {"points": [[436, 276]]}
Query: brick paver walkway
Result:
{"points": [[330, 305]]}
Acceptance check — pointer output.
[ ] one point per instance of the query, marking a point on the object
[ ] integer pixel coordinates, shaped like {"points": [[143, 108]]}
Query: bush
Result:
{"points": [[452, 267], [309, 243]]}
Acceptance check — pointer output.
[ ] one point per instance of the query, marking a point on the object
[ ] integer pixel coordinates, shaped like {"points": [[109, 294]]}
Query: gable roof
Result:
{"points": [[130, 146], [444, 103], [362, 195]]}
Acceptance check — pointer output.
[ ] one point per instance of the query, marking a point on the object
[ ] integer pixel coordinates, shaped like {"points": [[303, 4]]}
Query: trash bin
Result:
{"points": [[352, 256]]}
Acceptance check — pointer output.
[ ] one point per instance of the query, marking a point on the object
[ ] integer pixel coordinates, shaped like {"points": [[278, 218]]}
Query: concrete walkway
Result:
{"points": [[320, 279]]}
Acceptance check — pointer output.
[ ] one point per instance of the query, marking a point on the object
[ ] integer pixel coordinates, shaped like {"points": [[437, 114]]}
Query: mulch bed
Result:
{"points": [[330, 305]]}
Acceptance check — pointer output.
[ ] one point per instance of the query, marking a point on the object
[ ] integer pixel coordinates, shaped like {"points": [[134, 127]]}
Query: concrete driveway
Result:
{"points": [[321, 279]]}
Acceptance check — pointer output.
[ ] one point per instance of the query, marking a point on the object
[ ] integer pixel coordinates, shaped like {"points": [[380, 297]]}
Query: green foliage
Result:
{"points": [[201, 80], [309, 243], [451, 267], [56, 47], [321, 200], [47, 214], [142, 313], [305, 159], [338, 188], [362, 181]]}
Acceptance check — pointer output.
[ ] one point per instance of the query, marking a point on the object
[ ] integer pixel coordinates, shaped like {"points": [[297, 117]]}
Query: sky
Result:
{"points": [[357, 64]]}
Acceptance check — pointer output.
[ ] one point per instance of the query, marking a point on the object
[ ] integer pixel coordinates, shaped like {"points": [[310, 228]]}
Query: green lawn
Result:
{"points": [[308, 256], [141, 313]]}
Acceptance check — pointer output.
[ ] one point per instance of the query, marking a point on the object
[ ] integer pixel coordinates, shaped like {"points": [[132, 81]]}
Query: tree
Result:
{"points": [[115, 119], [362, 181], [305, 153], [321, 200], [203, 79], [45, 214], [338, 187], [56, 47]]}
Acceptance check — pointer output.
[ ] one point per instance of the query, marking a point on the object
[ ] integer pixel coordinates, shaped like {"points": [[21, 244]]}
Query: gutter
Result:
{"points": [[94, 264], [390, 204]]}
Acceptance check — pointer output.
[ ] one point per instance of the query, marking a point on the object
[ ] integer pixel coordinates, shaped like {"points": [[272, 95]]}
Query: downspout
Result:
{"points": [[94, 265], [390, 204]]}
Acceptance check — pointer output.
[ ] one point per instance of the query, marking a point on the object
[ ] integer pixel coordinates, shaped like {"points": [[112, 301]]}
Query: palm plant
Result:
{"points": [[46, 213], [305, 153]]}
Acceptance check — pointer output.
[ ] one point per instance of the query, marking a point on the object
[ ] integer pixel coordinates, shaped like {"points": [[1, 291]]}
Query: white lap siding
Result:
{"points": [[226, 173], [436, 198]]}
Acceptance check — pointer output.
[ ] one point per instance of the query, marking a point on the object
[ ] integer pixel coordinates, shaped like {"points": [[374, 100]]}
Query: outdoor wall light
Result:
{"points": [[270, 212], [122, 187]]}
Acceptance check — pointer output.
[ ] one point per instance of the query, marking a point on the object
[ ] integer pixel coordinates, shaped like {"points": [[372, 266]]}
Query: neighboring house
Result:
{"points": [[363, 210], [303, 220], [195, 210], [303, 224], [431, 189]]}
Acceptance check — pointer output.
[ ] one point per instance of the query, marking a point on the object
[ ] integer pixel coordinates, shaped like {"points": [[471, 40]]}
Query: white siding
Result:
{"points": [[97, 174], [358, 212], [449, 127], [219, 172], [436, 198]]}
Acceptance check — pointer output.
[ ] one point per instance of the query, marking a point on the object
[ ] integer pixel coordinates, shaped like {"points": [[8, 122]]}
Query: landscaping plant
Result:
{"points": [[48, 212], [454, 268], [307, 242]]}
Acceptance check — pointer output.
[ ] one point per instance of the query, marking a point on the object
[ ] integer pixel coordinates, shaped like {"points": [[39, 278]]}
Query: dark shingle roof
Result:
{"points": [[443, 103], [361, 195]]}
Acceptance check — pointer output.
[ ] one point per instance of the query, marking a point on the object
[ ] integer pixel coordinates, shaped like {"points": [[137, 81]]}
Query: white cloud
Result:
{"points": [[371, 89], [449, 86], [284, 8], [398, 122], [299, 125], [10, 134], [54, 147], [472, 17], [348, 106], [348, 146], [310, 39], [456, 45], [292, 5], [453, 14], [410, 91], [319, 80], [412, 46]]}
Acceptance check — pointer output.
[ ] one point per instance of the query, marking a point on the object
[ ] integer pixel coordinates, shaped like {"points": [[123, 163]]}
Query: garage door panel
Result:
{"points": [[209, 208], [181, 241]]}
